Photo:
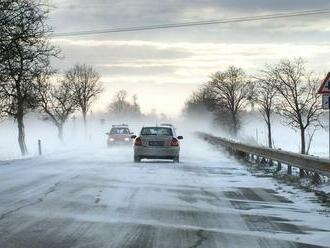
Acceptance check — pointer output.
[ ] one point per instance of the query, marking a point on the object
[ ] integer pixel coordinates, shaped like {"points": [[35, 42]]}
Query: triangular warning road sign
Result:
{"points": [[325, 86]]}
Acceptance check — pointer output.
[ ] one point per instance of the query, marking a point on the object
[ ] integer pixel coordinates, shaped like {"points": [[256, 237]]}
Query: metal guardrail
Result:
{"points": [[305, 162]]}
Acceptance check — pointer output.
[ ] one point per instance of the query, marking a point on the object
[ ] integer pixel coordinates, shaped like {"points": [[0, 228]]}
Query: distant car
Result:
{"points": [[119, 135], [157, 142]]}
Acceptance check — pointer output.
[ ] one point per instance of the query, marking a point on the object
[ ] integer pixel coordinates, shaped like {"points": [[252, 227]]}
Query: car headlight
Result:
{"points": [[112, 139], [126, 139]]}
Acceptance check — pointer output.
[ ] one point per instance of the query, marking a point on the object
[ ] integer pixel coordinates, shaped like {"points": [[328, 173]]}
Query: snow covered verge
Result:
{"points": [[311, 182], [254, 130], [75, 136]]}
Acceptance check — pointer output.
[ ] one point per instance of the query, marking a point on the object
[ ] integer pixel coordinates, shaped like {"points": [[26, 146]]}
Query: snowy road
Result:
{"points": [[100, 198]]}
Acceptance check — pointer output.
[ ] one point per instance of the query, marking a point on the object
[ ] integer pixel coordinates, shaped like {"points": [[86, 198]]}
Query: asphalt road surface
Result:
{"points": [[100, 198]]}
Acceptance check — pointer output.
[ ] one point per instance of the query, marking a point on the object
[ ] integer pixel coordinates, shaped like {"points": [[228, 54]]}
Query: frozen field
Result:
{"points": [[284, 137]]}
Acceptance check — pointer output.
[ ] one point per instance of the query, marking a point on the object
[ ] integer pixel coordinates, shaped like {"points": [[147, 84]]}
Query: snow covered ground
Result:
{"points": [[92, 196], [284, 137]]}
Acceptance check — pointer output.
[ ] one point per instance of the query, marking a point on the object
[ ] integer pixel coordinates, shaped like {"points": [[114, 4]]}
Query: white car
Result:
{"points": [[157, 142]]}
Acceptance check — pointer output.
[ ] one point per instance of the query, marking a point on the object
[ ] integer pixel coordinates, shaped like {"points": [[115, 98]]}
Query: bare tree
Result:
{"points": [[86, 86], [231, 90], [121, 106], [135, 106], [300, 103], [199, 102], [265, 95], [25, 52], [57, 101], [120, 103]]}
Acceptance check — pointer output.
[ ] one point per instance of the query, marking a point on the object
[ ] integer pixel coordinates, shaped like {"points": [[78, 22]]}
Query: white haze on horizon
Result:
{"points": [[75, 137]]}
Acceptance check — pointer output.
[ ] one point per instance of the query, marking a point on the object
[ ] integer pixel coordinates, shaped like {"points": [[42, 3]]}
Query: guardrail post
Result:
{"points": [[279, 166], [270, 162], [39, 147], [263, 161], [316, 179], [247, 157], [257, 159], [301, 173], [251, 158], [289, 169]]}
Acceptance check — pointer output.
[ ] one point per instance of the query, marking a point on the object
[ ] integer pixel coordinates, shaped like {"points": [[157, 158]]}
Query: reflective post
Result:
{"points": [[39, 148]]}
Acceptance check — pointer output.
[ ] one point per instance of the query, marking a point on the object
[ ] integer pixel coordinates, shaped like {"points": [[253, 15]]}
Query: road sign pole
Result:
{"points": [[324, 90]]}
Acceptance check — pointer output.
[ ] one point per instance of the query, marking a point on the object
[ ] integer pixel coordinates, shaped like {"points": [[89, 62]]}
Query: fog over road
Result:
{"points": [[100, 198]]}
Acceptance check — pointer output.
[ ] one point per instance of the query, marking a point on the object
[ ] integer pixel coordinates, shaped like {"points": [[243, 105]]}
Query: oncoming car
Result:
{"points": [[119, 135], [158, 142]]}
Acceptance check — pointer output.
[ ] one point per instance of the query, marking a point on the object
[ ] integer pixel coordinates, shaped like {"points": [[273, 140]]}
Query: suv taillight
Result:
{"points": [[174, 142], [138, 141]]}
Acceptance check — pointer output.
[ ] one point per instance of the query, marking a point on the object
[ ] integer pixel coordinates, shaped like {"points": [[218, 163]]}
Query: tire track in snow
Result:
{"points": [[201, 239], [50, 190]]}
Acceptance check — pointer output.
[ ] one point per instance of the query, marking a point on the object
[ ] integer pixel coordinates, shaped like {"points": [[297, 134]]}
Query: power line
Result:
{"points": [[194, 23]]}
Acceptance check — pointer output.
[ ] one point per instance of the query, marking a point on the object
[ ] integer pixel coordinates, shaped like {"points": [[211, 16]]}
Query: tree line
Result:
{"points": [[26, 76], [287, 88], [28, 83]]}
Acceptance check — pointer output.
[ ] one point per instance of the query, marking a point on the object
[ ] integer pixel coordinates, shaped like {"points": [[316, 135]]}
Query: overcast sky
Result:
{"points": [[163, 66]]}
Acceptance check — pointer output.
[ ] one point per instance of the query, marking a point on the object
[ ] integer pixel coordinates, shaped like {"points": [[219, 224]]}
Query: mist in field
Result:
{"points": [[93, 136], [75, 134]]}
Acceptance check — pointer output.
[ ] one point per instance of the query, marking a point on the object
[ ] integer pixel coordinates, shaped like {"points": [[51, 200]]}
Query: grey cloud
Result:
{"points": [[137, 71], [246, 6], [104, 54], [132, 12], [75, 15]]}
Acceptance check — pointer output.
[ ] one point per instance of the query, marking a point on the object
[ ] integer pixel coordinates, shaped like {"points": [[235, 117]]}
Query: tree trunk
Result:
{"points": [[235, 124], [84, 113], [21, 133], [60, 132], [269, 128], [84, 118], [303, 141]]}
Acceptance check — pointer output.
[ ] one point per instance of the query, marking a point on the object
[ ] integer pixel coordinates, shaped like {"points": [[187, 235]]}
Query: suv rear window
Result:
{"points": [[119, 130], [159, 131]]}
